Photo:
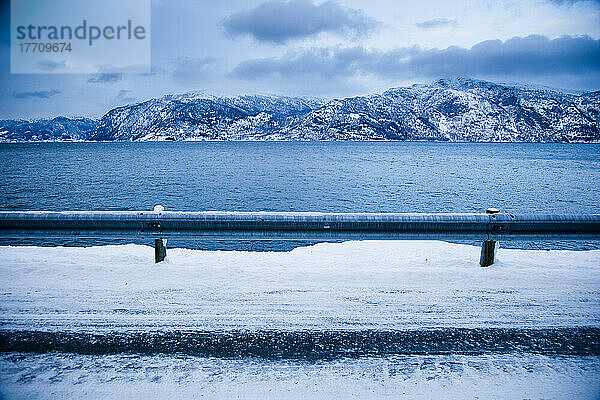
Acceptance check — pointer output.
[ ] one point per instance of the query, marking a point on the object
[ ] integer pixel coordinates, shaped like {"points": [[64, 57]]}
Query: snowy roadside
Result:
{"points": [[67, 376], [347, 286]]}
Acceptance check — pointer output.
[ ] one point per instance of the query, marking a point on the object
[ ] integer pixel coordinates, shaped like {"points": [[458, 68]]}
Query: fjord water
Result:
{"points": [[302, 176]]}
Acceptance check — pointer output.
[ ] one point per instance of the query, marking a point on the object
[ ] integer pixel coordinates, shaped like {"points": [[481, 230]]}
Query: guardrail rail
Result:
{"points": [[159, 224]]}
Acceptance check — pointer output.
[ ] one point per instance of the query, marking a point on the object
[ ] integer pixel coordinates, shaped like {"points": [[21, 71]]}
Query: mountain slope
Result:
{"points": [[458, 110], [191, 117]]}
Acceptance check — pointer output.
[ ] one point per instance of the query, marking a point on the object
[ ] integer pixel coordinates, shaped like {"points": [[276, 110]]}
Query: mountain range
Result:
{"points": [[460, 109]]}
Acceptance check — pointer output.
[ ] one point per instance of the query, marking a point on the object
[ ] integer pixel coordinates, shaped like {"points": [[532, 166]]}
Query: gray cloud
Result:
{"points": [[278, 21], [437, 23], [125, 97], [104, 78], [49, 65], [520, 57], [41, 94], [190, 70]]}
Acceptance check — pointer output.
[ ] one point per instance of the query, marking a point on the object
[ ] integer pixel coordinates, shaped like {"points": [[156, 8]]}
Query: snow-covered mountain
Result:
{"points": [[455, 110], [55, 129], [449, 109], [197, 117]]}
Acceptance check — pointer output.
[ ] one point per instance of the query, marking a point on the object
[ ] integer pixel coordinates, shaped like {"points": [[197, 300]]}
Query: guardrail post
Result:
{"points": [[488, 249], [160, 245], [160, 250]]}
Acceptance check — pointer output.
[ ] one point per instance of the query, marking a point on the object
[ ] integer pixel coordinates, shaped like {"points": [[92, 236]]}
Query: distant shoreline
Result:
{"points": [[289, 141]]}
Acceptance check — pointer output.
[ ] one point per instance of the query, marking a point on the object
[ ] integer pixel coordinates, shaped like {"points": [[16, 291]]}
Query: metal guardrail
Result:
{"points": [[159, 224]]}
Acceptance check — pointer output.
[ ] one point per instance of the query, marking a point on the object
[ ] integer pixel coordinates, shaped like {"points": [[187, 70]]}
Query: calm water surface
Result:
{"points": [[302, 176]]}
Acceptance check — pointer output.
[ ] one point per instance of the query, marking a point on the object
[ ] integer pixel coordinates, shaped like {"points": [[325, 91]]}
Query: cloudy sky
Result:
{"points": [[335, 48]]}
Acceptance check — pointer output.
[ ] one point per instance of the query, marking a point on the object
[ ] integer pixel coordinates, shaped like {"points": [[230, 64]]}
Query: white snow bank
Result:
{"points": [[352, 285]]}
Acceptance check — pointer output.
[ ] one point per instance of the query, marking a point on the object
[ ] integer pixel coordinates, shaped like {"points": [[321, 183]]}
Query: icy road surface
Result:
{"points": [[348, 286]]}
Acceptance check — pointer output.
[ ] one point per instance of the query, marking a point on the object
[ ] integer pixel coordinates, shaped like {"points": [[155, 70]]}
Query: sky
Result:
{"points": [[331, 49]]}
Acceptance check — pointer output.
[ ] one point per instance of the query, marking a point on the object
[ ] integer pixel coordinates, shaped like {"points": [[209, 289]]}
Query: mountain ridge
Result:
{"points": [[457, 109]]}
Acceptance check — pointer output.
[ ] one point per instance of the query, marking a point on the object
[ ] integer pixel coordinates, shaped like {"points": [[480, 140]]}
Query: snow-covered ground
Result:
{"points": [[352, 285], [65, 376], [379, 286]]}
